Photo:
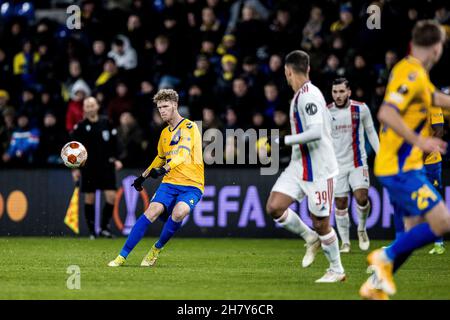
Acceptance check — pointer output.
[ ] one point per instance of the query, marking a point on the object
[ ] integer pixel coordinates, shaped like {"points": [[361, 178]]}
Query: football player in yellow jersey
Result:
{"points": [[180, 161], [399, 162]]}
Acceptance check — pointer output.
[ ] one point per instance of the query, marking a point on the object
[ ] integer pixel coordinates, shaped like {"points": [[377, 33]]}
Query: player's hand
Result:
{"points": [[280, 141], [157, 172], [118, 165], [432, 144], [137, 184], [76, 174]]}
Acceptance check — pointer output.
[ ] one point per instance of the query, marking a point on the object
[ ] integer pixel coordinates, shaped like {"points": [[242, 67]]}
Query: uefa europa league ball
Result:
{"points": [[74, 154]]}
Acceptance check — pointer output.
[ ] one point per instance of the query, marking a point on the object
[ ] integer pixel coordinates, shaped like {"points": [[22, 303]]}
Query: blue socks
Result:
{"points": [[414, 239], [169, 229], [136, 234]]}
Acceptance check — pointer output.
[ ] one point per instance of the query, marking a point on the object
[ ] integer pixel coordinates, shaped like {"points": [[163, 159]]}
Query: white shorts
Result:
{"points": [[356, 178], [320, 193]]}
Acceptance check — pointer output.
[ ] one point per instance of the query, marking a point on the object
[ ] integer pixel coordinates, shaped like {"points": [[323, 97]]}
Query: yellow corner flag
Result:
{"points": [[71, 219]]}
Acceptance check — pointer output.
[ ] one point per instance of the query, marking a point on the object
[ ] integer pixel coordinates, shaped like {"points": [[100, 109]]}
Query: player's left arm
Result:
{"points": [[312, 112], [369, 128]]}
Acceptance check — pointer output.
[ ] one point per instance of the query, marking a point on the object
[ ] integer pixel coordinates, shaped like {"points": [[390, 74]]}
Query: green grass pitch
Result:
{"points": [[35, 268]]}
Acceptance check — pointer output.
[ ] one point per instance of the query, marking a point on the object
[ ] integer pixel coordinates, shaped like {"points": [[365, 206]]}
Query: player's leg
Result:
{"points": [[434, 175], [360, 183], [341, 212], [320, 200], [89, 213], [419, 198], [108, 207], [185, 203], [284, 192], [162, 199]]}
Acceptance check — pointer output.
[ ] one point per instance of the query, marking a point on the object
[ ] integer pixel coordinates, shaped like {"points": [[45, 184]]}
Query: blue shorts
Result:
{"points": [[411, 193], [170, 194], [434, 174]]}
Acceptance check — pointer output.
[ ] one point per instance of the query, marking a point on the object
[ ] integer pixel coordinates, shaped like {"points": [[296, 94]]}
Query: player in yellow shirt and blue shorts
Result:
{"points": [[180, 161], [399, 163], [433, 169]]}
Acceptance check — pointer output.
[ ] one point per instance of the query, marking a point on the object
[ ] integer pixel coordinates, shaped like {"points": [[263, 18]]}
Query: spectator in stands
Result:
{"points": [[96, 59], [30, 107], [390, 59], [135, 32], [228, 46], [203, 76], [224, 81], [281, 121], [251, 32], [317, 55], [330, 71], [7, 127], [122, 102], [4, 100], [122, 52], [210, 26], [360, 74], [312, 28], [252, 75], [52, 139], [80, 91], [130, 142], [24, 143], [24, 63], [107, 80], [285, 33], [6, 78], [236, 11], [75, 74], [241, 99], [49, 104], [143, 109], [272, 99], [345, 26]]}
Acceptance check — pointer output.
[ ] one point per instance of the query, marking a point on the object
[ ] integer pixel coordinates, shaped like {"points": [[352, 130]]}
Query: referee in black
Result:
{"points": [[96, 133]]}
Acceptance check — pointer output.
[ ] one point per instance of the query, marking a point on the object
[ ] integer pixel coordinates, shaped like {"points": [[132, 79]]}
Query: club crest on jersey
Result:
{"points": [[311, 109], [105, 135], [189, 125], [176, 138]]}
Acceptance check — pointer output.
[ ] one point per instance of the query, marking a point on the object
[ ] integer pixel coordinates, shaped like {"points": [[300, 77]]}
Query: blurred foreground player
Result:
{"points": [[399, 163], [351, 120], [180, 161], [311, 171], [96, 133]]}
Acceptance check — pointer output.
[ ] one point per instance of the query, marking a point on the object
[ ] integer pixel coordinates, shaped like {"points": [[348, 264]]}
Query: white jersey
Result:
{"points": [[348, 127], [316, 159]]}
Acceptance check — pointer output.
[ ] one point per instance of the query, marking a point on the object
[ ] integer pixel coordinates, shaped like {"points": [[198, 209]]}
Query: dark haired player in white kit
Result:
{"points": [[311, 171], [350, 120]]}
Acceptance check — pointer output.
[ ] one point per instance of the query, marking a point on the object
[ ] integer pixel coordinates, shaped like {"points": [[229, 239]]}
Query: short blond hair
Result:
{"points": [[166, 95]]}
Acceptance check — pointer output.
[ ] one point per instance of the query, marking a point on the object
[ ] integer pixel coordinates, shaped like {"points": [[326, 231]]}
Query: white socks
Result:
{"points": [[343, 224], [330, 246], [363, 213], [292, 222]]}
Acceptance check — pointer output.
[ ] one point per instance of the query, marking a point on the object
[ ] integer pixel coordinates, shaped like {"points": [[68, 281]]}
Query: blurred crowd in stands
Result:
{"points": [[225, 58]]}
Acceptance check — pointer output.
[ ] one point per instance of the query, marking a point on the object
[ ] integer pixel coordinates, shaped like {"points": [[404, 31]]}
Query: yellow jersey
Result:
{"points": [[181, 149], [410, 92], [435, 118]]}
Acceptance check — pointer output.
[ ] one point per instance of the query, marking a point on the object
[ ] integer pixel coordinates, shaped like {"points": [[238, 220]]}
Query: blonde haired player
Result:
{"points": [[180, 161], [399, 162]]}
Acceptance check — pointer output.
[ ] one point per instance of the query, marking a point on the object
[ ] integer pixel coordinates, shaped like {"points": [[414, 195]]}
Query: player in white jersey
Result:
{"points": [[350, 120], [311, 171]]}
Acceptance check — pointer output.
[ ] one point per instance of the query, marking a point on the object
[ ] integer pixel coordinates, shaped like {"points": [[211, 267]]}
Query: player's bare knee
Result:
{"points": [[361, 197], [322, 225], [153, 211], [273, 210], [341, 203]]}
